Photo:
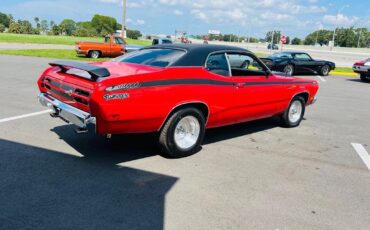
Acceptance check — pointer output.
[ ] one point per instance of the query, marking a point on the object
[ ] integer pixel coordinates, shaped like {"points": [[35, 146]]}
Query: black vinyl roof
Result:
{"points": [[196, 54]]}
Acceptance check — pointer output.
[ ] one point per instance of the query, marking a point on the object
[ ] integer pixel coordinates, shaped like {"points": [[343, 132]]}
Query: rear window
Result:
{"points": [[282, 55], [152, 57]]}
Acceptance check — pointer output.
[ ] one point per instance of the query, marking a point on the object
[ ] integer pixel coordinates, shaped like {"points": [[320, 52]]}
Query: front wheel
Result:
{"points": [[364, 77], [324, 71], [183, 133], [293, 116]]}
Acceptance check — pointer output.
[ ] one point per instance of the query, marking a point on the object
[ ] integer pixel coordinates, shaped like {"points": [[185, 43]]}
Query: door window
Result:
{"points": [[217, 63], [245, 65], [302, 57]]}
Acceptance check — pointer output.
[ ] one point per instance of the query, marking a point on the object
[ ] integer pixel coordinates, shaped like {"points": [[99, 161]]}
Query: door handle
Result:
{"points": [[239, 85]]}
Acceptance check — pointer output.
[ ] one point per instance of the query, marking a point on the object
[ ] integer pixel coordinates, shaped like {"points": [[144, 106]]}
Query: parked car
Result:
{"points": [[160, 41], [298, 62], [112, 46], [363, 68], [177, 91], [272, 47]]}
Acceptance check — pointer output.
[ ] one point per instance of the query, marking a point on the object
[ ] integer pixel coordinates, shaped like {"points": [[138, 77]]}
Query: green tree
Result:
{"points": [[4, 19], [55, 30], [104, 24], [296, 41], [276, 34], [44, 26], [85, 29], [37, 21], [322, 37], [15, 28], [67, 27], [2, 28], [287, 40], [134, 34]]}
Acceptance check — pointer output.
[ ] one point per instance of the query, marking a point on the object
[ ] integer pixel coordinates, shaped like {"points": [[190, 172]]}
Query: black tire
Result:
{"points": [[364, 77], [167, 134], [325, 70], [94, 54], [289, 69], [285, 118]]}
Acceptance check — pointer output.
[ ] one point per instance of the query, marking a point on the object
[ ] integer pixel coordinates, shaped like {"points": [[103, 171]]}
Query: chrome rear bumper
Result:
{"points": [[66, 112]]}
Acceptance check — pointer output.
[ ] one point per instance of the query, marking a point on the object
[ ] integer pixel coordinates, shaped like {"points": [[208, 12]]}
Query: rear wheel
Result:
{"points": [[324, 71], [94, 54], [289, 70], [183, 133], [293, 116]]}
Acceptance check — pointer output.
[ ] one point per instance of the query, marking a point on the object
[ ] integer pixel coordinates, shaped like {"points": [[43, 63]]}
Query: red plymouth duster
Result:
{"points": [[177, 91]]}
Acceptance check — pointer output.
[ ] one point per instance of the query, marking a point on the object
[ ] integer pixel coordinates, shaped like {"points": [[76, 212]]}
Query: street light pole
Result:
{"points": [[335, 29], [124, 18]]}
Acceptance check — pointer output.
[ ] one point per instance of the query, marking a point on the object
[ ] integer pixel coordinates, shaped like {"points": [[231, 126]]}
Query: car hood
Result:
{"points": [[121, 69]]}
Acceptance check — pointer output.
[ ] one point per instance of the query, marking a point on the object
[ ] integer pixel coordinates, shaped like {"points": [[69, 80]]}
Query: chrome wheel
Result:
{"points": [[95, 54], [295, 111], [289, 69], [187, 132], [325, 70]]}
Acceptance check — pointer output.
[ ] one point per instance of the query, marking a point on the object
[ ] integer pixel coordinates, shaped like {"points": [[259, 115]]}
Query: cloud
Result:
{"points": [[178, 12], [340, 20]]}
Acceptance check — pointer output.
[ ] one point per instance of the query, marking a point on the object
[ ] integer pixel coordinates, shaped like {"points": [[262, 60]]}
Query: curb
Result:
{"points": [[344, 74]]}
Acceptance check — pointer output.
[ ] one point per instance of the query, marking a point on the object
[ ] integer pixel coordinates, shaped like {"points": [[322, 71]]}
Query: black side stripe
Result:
{"points": [[186, 81], [197, 81]]}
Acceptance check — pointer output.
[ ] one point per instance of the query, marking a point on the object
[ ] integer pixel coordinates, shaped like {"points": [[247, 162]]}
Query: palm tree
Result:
{"points": [[37, 21]]}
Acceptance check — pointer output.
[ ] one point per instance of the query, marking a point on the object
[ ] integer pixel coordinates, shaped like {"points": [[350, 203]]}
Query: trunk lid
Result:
{"points": [[73, 83]]}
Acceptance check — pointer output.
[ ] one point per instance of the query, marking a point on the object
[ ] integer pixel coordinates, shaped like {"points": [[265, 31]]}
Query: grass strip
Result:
{"points": [[58, 40], [49, 53]]}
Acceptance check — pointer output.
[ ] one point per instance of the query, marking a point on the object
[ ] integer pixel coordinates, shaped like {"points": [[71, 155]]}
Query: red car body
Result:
{"points": [[137, 98]]}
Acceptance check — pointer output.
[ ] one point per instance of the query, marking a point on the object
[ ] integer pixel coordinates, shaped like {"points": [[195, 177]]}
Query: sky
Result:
{"points": [[295, 18]]}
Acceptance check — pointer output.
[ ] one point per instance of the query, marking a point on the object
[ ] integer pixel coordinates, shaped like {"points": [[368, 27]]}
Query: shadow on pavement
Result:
{"points": [[45, 189], [234, 131], [358, 80]]}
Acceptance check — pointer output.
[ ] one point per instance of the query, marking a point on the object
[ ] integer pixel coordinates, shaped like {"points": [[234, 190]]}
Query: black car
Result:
{"points": [[298, 62], [272, 47]]}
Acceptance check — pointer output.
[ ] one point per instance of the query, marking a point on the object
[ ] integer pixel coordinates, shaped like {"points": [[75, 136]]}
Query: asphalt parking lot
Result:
{"points": [[255, 175]]}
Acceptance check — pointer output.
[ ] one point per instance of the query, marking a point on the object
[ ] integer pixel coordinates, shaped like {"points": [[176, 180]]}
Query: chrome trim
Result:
{"points": [[66, 112], [314, 100]]}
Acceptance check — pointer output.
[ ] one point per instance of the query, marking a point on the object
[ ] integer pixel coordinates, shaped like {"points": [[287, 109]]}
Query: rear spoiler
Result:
{"points": [[95, 72]]}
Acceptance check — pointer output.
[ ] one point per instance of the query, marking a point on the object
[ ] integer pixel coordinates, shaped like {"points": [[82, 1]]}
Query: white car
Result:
{"points": [[363, 68]]}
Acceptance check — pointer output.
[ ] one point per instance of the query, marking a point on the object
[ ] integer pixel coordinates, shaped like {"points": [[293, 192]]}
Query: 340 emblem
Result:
{"points": [[116, 96]]}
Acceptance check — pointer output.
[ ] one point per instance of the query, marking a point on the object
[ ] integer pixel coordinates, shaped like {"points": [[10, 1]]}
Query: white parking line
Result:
{"points": [[361, 151], [321, 78], [24, 116]]}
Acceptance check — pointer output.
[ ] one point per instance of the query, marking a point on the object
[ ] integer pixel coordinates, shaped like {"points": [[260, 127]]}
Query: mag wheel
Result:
{"points": [[293, 116], [324, 71], [183, 133], [289, 70], [94, 54]]}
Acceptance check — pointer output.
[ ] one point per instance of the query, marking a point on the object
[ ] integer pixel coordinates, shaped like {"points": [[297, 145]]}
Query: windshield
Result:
{"points": [[152, 57]]}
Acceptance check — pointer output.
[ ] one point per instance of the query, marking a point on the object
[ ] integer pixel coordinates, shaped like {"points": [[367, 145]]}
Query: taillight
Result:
{"points": [[360, 63]]}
